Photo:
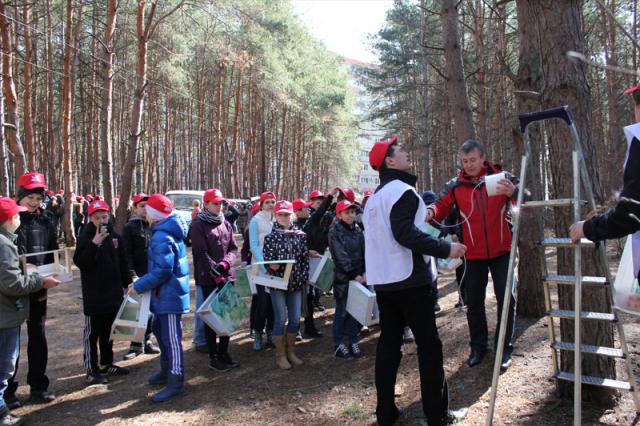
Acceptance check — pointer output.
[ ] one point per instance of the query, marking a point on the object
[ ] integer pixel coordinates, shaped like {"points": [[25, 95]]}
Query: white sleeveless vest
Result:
{"points": [[386, 260]]}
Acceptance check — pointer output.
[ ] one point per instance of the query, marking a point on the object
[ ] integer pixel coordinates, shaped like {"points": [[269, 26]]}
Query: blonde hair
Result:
{"points": [[195, 203]]}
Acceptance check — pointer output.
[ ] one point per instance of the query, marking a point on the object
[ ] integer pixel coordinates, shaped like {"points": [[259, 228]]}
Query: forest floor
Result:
{"points": [[324, 391]]}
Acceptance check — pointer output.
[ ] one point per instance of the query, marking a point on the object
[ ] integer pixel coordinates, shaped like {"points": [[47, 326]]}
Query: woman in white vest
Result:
{"points": [[397, 262], [260, 226]]}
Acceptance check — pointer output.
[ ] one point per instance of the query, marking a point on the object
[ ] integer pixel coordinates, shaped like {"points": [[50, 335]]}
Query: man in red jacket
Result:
{"points": [[486, 233]]}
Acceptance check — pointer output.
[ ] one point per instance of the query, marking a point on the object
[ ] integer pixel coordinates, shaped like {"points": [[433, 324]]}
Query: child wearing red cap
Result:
{"points": [[168, 280], [214, 253], [37, 233], [346, 242], [286, 242], [14, 301], [260, 226], [104, 273], [136, 235]]}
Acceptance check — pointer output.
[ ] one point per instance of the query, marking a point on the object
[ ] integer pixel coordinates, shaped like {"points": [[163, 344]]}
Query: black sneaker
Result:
{"points": [[132, 354], [95, 378], [312, 332], [341, 351], [8, 419], [218, 365], [114, 370], [12, 402], [299, 336], [226, 358], [356, 352], [150, 348], [506, 362], [42, 397]]}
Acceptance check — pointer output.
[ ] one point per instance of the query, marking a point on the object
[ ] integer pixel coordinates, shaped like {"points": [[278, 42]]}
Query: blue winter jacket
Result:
{"points": [[168, 276]]}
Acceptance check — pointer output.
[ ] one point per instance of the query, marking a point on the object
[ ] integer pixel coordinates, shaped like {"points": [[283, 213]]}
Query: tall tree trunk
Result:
{"points": [[425, 146], [529, 79], [67, 220], [142, 34], [144, 31], [5, 188], [12, 127], [27, 113], [455, 80], [560, 26], [107, 103]]}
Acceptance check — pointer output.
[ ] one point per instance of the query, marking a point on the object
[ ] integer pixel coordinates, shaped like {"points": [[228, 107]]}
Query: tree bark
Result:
{"points": [[529, 79], [565, 82], [455, 79], [67, 220], [27, 113], [107, 103], [12, 127]]}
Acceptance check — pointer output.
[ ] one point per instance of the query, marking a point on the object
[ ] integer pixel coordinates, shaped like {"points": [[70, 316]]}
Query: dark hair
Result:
{"points": [[389, 153], [471, 144], [636, 97]]}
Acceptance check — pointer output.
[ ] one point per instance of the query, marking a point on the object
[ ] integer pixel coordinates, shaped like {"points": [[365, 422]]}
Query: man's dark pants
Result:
{"points": [[412, 307], [475, 285]]}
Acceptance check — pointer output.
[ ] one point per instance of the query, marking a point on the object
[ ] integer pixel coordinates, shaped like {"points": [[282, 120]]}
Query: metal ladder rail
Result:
{"points": [[605, 262], [578, 167]]}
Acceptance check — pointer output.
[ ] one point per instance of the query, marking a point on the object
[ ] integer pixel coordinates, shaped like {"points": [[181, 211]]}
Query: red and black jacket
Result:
{"points": [[484, 220]]}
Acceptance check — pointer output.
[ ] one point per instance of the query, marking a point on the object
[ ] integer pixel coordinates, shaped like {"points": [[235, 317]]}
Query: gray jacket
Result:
{"points": [[14, 286]]}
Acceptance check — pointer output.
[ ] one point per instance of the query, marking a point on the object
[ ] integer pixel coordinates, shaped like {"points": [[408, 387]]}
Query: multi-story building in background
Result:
{"points": [[365, 178]]}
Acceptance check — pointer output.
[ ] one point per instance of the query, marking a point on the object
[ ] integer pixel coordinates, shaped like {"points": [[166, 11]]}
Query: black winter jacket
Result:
{"points": [[37, 232], [136, 235], [318, 224], [285, 244], [618, 222], [103, 271], [346, 243], [404, 231]]}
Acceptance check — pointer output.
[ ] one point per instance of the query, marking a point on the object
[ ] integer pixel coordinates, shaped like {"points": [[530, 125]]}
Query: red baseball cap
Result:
{"points": [[299, 204], [97, 197], [316, 194], [284, 206], [348, 193], [213, 195], [32, 181], [9, 208], [160, 203], [267, 196], [379, 152], [78, 198], [344, 205], [60, 192], [367, 194], [98, 206], [139, 198], [89, 197], [632, 89]]}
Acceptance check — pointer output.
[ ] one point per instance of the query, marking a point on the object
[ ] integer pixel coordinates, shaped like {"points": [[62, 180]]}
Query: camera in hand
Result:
{"points": [[104, 228]]}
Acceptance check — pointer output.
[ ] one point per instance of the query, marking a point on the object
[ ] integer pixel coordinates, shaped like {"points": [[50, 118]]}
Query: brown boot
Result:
{"points": [[291, 355], [281, 356]]}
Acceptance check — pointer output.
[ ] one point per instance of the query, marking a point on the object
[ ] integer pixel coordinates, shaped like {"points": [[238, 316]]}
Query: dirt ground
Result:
{"points": [[324, 391]]}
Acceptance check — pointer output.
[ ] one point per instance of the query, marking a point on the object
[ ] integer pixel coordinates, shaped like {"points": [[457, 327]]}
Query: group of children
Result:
{"points": [[150, 255]]}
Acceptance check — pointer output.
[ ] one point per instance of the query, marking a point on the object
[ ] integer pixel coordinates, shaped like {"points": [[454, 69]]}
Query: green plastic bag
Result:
{"points": [[242, 282], [324, 279]]}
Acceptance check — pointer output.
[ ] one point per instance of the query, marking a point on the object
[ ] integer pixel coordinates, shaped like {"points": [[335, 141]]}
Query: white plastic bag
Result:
{"points": [[626, 291]]}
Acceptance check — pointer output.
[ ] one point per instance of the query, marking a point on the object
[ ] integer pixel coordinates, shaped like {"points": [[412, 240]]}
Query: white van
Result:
{"points": [[183, 202]]}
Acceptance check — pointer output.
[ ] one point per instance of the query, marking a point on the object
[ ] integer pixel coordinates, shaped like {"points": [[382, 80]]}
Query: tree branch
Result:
{"points": [[162, 18]]}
